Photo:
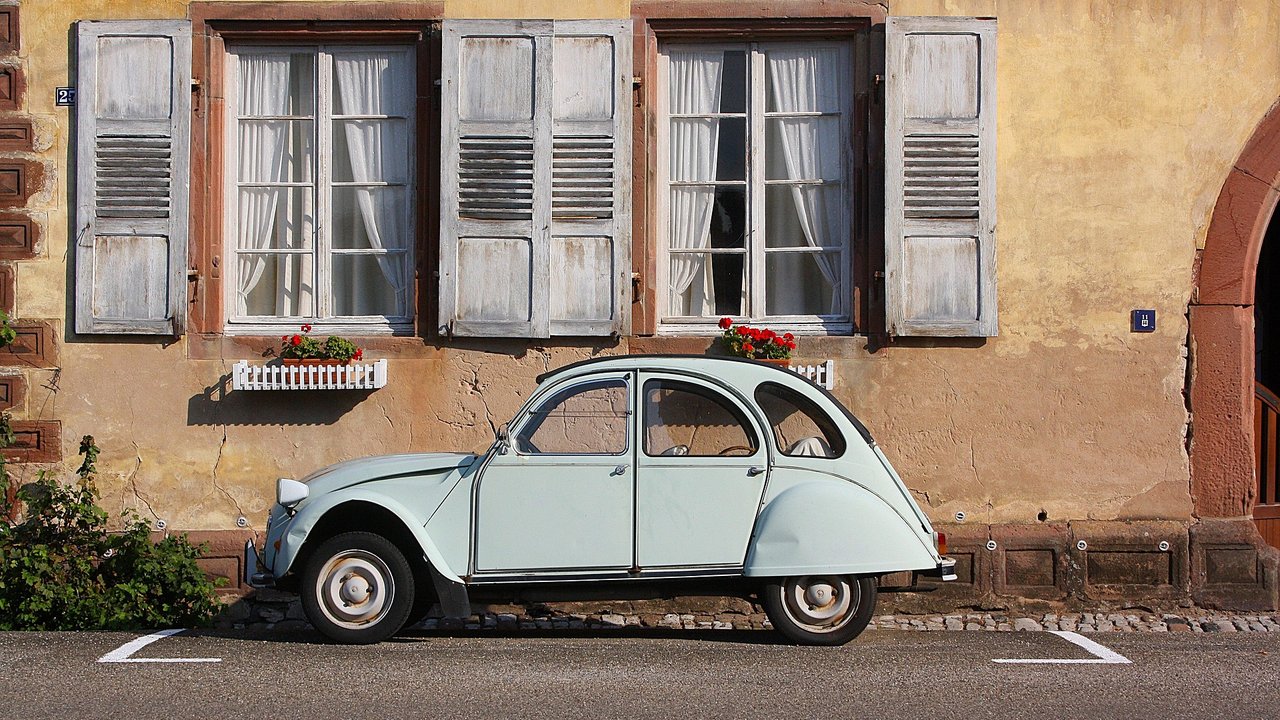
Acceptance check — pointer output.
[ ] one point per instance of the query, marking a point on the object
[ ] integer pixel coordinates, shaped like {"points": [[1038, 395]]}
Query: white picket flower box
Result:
{"points": [[822, 374], [356, 376]]}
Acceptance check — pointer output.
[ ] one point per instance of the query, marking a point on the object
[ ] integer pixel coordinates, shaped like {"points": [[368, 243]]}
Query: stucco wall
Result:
{"points": [[1117, 123]]}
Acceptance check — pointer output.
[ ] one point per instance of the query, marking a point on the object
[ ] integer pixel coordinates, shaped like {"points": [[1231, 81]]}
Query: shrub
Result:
{"points": [[60, 568]]}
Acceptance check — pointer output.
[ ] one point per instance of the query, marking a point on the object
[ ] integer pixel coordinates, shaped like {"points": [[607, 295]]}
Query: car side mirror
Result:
{"points": [[503, 442]]}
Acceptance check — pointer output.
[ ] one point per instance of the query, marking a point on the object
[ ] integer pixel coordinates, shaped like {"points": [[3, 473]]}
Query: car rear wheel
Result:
{"points": [[357, 588], [820, 609]]}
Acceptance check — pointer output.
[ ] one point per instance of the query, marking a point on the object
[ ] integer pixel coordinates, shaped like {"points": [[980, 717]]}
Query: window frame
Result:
{"points": [[662, 21], [739, 413], [323, 252], [756, 184]]}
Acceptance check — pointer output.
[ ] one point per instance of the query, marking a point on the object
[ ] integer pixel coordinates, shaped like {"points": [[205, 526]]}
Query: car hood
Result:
{"points": [[355, 472]]}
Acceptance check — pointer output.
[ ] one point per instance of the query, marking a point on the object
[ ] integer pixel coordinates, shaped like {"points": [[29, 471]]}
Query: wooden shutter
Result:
{"points": [[940, 154], [133, 125], [535, 214]]}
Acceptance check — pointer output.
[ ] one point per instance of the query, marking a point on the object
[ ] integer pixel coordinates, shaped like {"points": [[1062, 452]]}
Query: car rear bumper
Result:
{"points": [[946, 570]]}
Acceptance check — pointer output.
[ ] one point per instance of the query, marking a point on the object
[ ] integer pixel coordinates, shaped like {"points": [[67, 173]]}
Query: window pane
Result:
{"points": [[271, 151], [695, 81], [273, 84], [801, 283], [588, 419], [803, 79], [731, 159], [805, 216], [693, 149], [275, 285], [273, 218], [800, 427], [369, 284], [370, 151], [369, 218], [806, 148], [733, 94], [371, 82], [685, 419], [706, 285]]}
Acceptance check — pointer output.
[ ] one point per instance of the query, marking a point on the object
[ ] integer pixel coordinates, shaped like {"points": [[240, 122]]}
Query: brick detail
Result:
{"points": [[17, 134], [1030, 560], [1123, 561], [35, 346], [18, 236], [12, 86], [1231, 566], [223, 555], [10, 37], [13, 391], [7, 288], [35, 441], [19, 180]]}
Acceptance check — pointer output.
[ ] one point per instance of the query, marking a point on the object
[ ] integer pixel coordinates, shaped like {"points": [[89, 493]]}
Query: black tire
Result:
{"points": [[357, 588], [820, 609]]}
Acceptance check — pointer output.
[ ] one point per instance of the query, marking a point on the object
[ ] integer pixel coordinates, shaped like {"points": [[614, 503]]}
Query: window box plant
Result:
{"points": [[757, 343], [303, 349]]}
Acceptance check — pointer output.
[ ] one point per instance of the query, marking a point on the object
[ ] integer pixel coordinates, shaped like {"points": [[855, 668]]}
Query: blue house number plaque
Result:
{"points": [[1143, 321], [64, 96]]}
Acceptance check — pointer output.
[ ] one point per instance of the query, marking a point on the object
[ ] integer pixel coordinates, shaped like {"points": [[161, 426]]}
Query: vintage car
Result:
{"points": [[625, 477]]}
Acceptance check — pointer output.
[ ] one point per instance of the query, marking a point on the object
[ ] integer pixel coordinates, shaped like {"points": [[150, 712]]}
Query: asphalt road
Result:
{"points": [[643, 674]]}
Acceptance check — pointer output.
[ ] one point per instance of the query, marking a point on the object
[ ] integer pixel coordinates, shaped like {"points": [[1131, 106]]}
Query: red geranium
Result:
{"points": [[748, 348], [306, 328], [359, 354], [295, 340], [726, 323], [756, 343]]}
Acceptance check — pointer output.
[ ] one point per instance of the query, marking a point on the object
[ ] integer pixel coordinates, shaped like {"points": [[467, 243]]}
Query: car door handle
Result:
{"points": [[619, 470], [754, 470]]}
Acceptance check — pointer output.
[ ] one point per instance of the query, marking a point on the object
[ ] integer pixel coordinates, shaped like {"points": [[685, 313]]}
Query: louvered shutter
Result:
{"points": [[940, 152], [133, 124], [535, 217]]}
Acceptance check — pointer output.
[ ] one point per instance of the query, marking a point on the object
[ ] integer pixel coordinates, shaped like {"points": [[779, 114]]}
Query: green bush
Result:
{"points": [[60, 568]]}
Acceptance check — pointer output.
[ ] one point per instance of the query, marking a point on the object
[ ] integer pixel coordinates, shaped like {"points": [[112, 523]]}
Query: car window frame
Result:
{"points": [[744, 411], [814, 407], [527, 413]]}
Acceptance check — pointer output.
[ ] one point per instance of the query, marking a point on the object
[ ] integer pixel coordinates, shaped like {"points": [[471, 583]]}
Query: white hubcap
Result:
{"points": [[821, 603], [355, 589]]}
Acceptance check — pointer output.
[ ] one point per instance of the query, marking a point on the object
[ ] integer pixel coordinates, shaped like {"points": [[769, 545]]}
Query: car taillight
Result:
{"points": [[942, 543]]}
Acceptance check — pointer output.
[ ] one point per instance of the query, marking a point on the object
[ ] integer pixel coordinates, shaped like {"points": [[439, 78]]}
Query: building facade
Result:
{"points": [[958, 203]]}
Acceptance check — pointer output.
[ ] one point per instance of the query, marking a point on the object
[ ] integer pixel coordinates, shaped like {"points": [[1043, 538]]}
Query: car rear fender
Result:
{"points": [[832, 527]]}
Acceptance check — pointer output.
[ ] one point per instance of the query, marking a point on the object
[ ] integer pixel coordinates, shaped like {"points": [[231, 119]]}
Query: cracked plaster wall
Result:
{"points": [[1118, 121]]}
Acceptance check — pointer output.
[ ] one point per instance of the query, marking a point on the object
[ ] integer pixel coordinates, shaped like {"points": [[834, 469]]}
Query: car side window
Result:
{"points": [[686, 419], [800, 427], [585, 419]]}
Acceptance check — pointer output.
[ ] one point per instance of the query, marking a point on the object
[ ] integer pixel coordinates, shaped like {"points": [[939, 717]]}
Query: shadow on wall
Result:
{"points": [[217, 405]]}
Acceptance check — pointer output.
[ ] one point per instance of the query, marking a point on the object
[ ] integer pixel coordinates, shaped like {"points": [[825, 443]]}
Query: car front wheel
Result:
{"points": [[357, 588], [820, 609]]}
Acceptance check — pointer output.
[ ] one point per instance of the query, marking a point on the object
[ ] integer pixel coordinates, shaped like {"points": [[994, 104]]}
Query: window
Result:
{"points": [[320, 161], [685, 419], [586, 419], [800, 428], [755, 165]]}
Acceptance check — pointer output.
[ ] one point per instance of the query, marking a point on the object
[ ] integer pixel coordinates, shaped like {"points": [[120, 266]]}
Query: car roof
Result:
{"points": [[740, 373]]}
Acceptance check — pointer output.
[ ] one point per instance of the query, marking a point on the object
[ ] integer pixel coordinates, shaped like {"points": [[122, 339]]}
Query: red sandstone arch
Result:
{"points": [[1221, 319]]}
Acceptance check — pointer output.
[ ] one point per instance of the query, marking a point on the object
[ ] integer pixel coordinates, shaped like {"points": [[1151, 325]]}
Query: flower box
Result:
{"points": [[307, 376]]}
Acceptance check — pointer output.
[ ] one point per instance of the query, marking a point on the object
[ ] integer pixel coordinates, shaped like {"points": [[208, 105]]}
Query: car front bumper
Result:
{"points": [[255, 575]]}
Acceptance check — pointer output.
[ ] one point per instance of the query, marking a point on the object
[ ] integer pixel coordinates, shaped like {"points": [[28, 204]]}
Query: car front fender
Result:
{"points": [[833, 527], [304, 522]]}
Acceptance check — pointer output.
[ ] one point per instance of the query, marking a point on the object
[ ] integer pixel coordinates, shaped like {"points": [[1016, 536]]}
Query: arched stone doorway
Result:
{"points": [[1230, 564]]}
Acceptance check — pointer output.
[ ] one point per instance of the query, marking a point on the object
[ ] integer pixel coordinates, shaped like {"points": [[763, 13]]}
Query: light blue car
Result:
{"points": [[626, 477]]}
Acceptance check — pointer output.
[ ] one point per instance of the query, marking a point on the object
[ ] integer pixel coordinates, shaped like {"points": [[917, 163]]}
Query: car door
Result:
{"points": [[561, 497], [700, 474]]}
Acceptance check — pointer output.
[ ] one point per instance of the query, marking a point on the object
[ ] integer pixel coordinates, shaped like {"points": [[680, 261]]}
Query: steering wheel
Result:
{"points": [[734, 448]]}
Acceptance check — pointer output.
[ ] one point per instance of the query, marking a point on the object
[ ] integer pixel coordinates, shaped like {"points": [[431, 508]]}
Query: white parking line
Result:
{"points": [[122, 653], [1102, 655]]}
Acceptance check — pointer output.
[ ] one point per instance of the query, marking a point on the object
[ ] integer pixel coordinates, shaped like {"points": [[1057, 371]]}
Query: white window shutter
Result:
{"points": [[940, 155], [535, 162], [133, 125]]}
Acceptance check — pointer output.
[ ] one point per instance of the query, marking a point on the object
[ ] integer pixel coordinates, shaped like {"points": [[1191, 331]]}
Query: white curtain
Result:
{"points": [[367, 84], [264, 91], [803, 81], [695, 80]]}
